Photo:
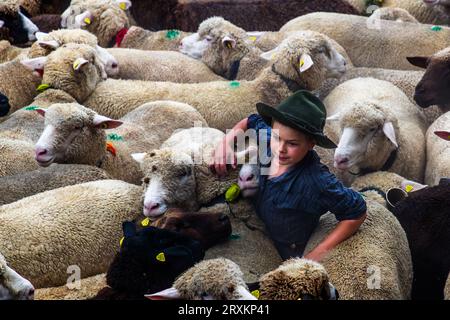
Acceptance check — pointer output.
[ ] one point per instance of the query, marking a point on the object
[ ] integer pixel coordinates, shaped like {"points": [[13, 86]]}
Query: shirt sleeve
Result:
{"points": [[344, 203], [256, 122]]}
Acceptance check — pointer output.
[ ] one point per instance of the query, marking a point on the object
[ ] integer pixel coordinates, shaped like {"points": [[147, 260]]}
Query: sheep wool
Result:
{"points": [[72, 228], [438, 152]]}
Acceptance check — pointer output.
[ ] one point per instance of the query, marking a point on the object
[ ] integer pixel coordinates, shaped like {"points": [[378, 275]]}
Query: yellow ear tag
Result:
{"points": [[41, 88], [273, 56], [252, 38], [145, 222], [302, 62], [87, 20], [409, 188], [229, 46], [161, 257], [121, 241], [123, 6], [255, 293], [232, 193], [76, 64]]}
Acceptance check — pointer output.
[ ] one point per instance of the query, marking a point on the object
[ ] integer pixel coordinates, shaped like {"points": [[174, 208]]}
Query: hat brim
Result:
{"points": [[268, 113]]}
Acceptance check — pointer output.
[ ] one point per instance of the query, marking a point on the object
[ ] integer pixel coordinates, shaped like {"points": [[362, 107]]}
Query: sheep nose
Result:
{"points": [[152, 206], [114, 65], [40, 151], [341, 159], [247, 177], [30, 295]]}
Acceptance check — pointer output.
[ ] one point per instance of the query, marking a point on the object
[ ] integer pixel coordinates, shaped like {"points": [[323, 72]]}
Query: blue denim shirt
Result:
{"points": [[291, 204]]}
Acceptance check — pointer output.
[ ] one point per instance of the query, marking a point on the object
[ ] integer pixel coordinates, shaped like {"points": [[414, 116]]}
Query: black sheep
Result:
{"points": [[266, 15], [15, 26], [4, 105], [149, 261], [425, 217]]}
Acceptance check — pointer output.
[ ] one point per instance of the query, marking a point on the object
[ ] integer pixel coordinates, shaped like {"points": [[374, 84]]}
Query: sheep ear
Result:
{"points": [[421, 62], [443, 134], [51, 44], [270, 55], [254, 36], [79, 63], [40, 36], [244, 294], [124, 4], [167, 294], [139, 157], [388, 129], [334, 117], [41, 111], [102, 122], [2, 23], [305, 63], [35, 63], [84, 19], [228, 42]]}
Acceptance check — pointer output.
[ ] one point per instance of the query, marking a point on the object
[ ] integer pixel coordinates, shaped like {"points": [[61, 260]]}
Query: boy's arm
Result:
{"points": [[349, 208], [343, 230], [224, 152]]}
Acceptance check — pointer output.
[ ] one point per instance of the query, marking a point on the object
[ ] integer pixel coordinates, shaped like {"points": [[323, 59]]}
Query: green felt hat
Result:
{"points": [[302, 111]]}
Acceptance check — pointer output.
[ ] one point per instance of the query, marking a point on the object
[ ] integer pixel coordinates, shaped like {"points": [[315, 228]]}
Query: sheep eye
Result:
{"points": [[373, 129]]}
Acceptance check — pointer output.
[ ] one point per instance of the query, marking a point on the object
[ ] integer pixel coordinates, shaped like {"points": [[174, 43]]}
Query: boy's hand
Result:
{"points": [[222, 156]]}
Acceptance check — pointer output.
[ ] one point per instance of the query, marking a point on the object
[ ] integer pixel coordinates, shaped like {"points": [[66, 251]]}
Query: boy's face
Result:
{"points": [[291, 145]]}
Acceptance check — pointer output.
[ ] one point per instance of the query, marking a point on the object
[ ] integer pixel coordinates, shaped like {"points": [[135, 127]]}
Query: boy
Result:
{"points": [[299, 189]]}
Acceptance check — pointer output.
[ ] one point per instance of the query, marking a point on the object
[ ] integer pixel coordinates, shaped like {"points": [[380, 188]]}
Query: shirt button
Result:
{"points": [[293, 246]]}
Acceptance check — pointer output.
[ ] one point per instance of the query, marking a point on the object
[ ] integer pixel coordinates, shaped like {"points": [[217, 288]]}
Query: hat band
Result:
{"points": [[306, 126]]}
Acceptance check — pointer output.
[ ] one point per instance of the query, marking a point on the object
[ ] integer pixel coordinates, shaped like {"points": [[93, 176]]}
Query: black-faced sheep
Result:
{"points": [[425, 217], [14, 25]]}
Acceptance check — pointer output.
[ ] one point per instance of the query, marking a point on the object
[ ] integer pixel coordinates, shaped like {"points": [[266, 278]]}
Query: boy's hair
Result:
{"points": [[308, 135]]}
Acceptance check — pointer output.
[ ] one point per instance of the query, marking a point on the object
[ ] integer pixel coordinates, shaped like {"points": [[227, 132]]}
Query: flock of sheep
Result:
{"points": [[102, 122]]}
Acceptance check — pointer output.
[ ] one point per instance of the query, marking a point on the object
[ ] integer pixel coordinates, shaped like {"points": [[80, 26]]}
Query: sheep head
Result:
{"points": [[72, 134], [12, 285], [214, 279], [297, 279], [307, 58]]}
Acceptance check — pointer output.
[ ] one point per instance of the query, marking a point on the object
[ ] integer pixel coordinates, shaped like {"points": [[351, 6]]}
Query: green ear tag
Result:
{"points": [[235, 84], [436, 28], [31, 108], [232, 193], [114, 137], [41, 88], [172, 34]]}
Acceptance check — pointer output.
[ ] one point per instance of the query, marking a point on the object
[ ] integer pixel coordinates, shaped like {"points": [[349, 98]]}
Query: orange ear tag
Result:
{"points": [[110, 147]]}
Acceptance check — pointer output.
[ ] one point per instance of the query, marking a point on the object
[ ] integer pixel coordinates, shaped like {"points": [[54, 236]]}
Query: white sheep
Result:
{"points": [[375, 263], [213, 279], [115, 98], [378, 128], [160, 66], [75, 228], [366, 44], [438, 152], [12, 285]]}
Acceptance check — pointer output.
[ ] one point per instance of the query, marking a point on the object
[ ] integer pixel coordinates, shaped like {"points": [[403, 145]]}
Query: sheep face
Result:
{"points": [[169, 181], [104, 19], [208, 32], [209, 228], [69, 128], [15, 26], [367, 135], [214, 279], [47, 43], [297, 279], [307, 58], [12, 285], [432, 89], [75, 69]]}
